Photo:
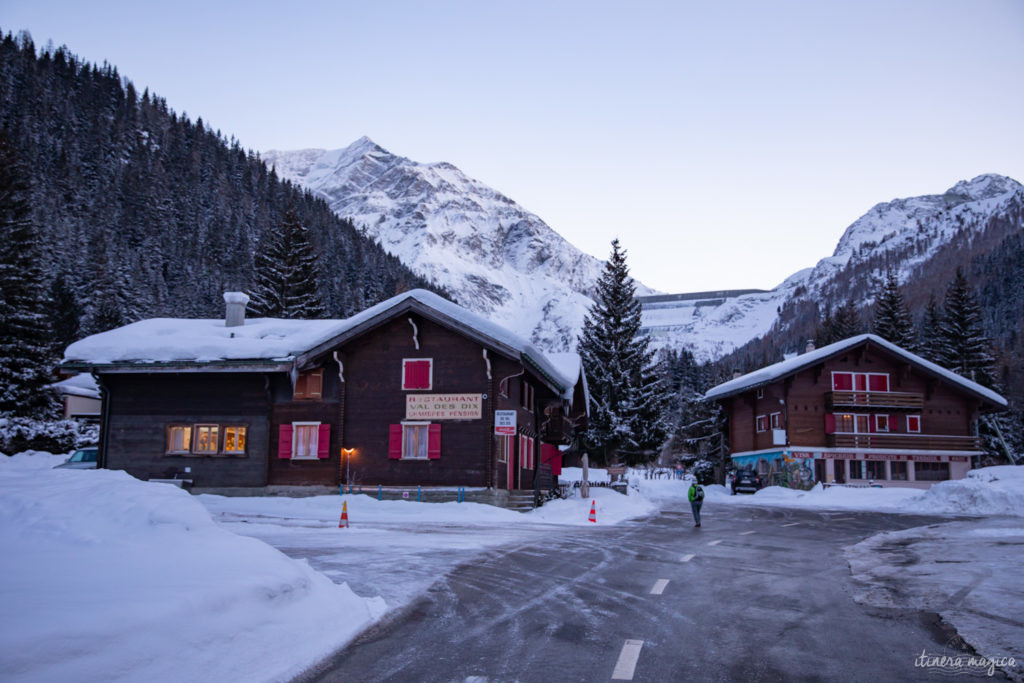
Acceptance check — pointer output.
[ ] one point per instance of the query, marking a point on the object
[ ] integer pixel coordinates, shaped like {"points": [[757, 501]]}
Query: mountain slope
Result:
{"points": [[907, 233], [492, 255]]}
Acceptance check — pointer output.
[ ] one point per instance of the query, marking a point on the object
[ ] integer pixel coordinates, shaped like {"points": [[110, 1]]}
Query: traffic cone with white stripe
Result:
{"points": [[343, 522], [593, 511]]}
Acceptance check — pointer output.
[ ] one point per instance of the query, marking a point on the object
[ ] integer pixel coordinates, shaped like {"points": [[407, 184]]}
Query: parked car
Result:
{"points": [[82, 459], [746, 481]]}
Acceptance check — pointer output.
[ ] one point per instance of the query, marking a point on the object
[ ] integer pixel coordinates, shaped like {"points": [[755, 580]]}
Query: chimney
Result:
{"points": [[810, 346], [235, 303], [736, 374]]}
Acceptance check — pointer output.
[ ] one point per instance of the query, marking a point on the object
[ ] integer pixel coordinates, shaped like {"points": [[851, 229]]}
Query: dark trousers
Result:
{"points": [[695, 505]]}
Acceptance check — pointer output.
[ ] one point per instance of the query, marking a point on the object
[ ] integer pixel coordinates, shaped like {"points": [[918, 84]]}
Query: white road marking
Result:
{"points": [[715, 542], [687, 558], [626, 665], [840, 519], [744, 533], [659, 586], [791, 524]]}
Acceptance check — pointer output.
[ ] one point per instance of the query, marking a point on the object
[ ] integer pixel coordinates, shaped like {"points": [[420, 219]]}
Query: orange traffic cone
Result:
{"points": [[593, 511], [343, 522]]}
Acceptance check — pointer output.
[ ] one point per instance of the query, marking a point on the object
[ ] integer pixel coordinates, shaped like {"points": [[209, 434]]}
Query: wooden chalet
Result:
{"points": [[860, 411], [404, 394]]}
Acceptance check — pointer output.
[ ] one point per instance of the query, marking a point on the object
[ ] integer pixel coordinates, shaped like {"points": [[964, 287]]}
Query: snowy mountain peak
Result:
{"points": [[496, 258]]}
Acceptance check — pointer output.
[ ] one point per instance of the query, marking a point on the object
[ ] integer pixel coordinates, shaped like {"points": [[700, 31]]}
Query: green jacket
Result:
{"points": [[691, 495]]}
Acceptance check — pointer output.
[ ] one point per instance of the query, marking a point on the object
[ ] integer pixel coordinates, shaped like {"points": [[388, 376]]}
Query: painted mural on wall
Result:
{"points": [[776, 469]]}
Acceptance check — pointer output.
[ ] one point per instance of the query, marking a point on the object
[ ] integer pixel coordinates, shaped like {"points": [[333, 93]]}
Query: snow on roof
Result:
{"points": [[171, 340], [571, 365], [787, 367], [82, 384]]}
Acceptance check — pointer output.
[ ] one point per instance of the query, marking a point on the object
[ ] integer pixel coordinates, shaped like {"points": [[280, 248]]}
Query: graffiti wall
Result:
{"points": [[779, 469]]}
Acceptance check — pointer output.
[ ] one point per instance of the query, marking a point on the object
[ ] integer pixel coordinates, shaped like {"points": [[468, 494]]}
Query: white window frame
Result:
{"points": [[314, 441], [878, 424], [170, 439], [426, 437], [224, 438], [759, 425], [430, 380], [914, 431], [775, 420], [760, 392]]}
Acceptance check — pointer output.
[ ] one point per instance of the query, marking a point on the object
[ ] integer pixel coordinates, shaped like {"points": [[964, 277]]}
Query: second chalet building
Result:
{"points": [[405, 393], [858, 411]]}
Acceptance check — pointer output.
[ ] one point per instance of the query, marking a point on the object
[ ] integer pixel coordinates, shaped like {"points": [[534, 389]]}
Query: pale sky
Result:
{"points": [[727, 144]]}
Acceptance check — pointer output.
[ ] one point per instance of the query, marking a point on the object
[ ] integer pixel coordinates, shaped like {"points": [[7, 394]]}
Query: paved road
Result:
{"points": [[756, 594]]}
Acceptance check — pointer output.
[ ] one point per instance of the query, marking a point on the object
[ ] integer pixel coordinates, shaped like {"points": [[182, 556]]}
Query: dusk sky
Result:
{"points": [[727, 144]]}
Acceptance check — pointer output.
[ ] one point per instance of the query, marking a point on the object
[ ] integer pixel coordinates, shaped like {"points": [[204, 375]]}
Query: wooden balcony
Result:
{"points": [[556, 429], [874, 399], [917, 442]]}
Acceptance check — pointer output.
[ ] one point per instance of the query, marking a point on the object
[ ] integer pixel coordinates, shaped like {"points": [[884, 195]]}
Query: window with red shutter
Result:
{"points": [[417, 373], [842, 381], [395, 442], [830, 423], [914, 423], [284, 442], [878, 382], [434, 442], [323, 445]]}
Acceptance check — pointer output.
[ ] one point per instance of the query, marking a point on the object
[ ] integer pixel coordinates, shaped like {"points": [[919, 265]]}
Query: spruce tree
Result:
{"points": [[627, 396], [931, 332], [65, 318], [964, 347], [842, 324], [286, 274], [892, 319], [25, 334]]}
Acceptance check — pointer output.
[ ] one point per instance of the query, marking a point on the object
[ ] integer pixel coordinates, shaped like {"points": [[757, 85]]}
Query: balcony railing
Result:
{"points": [[556, 429], [874, 399], [917, 442]]}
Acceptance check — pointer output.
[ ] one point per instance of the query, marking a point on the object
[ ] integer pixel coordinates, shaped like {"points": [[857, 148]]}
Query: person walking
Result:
{"points": [[696, 497]]}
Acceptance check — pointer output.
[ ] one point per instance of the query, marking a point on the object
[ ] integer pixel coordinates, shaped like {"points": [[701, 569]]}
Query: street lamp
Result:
{"points": [[347, 452]]}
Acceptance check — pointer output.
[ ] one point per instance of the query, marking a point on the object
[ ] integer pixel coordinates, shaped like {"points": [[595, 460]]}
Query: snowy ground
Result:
{"points": [[120, 577]]}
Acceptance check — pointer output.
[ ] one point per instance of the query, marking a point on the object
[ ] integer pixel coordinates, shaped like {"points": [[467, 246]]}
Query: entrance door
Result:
{"points": [[820, 470], [839, 467]]}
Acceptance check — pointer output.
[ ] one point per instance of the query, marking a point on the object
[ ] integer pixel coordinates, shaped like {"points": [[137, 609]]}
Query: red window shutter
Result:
{"points": [[284, 442], [872, 424], [395, 442], [830, 423], [433, 442], [323, 441], [417, 374], [860, 382], [878, 382], [842, 381]]}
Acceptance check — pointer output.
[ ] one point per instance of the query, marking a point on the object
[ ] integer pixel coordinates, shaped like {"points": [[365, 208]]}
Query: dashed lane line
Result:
{"points": [[659, 587], [840, 519], [745, 533], [687, 558], [714, 542], [626, 666], [791, 524]]}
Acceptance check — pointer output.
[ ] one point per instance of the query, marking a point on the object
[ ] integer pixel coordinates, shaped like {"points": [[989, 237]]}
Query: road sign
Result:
{"points": [[505, 422]]}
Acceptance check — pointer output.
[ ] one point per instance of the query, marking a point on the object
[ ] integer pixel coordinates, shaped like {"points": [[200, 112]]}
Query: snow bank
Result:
{"points": [[985, 491], [110, 578]]}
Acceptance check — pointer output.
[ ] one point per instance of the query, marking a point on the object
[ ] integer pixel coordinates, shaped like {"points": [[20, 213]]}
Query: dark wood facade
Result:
{"points": [[866, 403], [357, 408]]}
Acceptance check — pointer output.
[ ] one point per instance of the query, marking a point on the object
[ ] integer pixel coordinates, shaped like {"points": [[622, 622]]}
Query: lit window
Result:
{"points": [[417, 373], [414, 440], [207, 439], [305, 440], [179, 439], [234, 440]]}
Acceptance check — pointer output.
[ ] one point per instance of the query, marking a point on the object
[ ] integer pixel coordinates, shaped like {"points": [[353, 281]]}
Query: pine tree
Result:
{"points": [[931, 332], [627, 395], [25, 335], [964, 347], [842, 324], [286, 274], [64, 317], [892, 319]]}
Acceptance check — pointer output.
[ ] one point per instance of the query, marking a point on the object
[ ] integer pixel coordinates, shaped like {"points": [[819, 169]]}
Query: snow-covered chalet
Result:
{"points": [[413, 392], [859, 411]]}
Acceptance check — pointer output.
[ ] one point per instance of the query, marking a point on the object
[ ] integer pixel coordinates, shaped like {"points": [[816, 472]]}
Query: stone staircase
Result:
{"points": [[520, 501]]}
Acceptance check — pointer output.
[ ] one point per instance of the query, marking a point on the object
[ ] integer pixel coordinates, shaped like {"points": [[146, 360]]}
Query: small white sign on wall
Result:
{"points": [[505, 422]]}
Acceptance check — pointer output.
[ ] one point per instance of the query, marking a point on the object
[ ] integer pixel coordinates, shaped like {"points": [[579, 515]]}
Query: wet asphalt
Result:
{"points": [[753, 595]]}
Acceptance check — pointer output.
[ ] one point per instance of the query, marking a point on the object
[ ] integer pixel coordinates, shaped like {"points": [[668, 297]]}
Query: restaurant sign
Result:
{"points": [[443, 406]]}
